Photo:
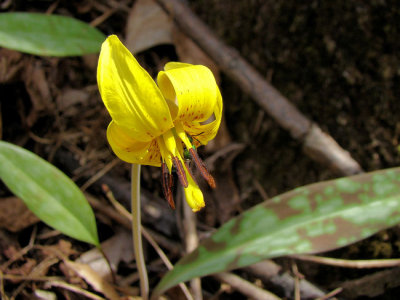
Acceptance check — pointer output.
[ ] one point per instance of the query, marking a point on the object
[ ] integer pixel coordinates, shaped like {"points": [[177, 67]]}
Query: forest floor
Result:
{"points": [[338, 62]]}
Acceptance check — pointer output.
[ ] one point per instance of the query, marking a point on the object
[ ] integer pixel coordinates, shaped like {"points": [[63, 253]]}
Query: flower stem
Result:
{"points": [[136, 231], [191, 241]]}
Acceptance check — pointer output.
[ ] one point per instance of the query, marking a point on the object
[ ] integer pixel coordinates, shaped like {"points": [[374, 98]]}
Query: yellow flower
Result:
{"points": [[155, 125]]}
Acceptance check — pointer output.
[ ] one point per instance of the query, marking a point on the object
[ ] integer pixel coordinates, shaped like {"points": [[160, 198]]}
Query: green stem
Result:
{"points": [[136, 231]]}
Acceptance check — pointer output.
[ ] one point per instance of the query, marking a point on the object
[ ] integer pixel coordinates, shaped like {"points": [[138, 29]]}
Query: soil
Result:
{"points": [[337, 61]]}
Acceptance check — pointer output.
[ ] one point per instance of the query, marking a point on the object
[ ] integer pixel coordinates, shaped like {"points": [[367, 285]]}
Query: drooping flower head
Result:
{"points": [[155, 125]]}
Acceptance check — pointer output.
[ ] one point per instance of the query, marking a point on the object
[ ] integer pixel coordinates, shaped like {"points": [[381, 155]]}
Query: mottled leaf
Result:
{"points": [[48, 35], [309, 219], [48, 193]]}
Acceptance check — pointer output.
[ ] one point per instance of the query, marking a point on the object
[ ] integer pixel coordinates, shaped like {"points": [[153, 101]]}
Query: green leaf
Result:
{"points": [[309, 219], [48, 193], [48, 35]]}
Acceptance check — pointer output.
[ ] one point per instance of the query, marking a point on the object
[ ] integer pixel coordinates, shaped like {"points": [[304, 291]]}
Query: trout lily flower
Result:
{"points": [[159, 125]]}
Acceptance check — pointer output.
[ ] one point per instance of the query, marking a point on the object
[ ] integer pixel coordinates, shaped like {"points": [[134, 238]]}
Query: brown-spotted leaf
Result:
{"points": [[309, 219]]}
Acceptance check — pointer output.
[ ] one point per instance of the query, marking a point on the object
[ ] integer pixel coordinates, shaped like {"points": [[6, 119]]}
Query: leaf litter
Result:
{"points": [[56, 109]]}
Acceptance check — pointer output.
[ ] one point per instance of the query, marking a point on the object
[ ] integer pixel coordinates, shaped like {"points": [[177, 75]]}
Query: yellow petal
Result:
{"points": [[192, 87], [130, 94], [130, 150], [165, 156], [174, 65], [203, 133]]}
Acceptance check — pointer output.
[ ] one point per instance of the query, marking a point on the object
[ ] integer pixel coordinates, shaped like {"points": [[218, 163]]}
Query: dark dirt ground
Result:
{"points": [[337, 61]]}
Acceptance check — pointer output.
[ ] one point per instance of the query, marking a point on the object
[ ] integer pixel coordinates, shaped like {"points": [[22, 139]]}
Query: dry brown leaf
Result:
{"points": [[38, 89], [68, 101], [62, 249], [117, 249], [91, 277], [45, 295], [14, 215], [11, 63], [148, 26], [72, 276], [65, 247], [90, 61]]}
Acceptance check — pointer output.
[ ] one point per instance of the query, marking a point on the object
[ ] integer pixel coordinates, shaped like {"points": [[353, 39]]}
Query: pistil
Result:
{"points": [[167, 184]]}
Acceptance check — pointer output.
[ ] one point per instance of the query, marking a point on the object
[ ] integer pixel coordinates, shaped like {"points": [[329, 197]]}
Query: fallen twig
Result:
{"points": [[270, 272], [331, 294], [372, 285], [245, 287], [345, 263], [74, 289]]}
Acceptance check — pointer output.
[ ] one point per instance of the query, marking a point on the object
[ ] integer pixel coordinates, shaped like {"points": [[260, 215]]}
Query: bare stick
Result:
{"points": [[331, 294], [345, 263], [269, 271], [245, 287], [100, 174], [318, 145], [74, 289]]}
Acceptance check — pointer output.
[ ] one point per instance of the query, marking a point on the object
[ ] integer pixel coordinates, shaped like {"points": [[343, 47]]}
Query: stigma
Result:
{"points": [[177, 152]]}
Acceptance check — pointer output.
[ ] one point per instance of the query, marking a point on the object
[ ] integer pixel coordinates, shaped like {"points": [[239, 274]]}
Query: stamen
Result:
{"points": [[187, 164], [167, 183], [170, 180], [202, 168], [180, 171]]}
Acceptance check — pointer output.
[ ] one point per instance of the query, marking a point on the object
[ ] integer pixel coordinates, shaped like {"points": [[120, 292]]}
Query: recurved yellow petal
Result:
{"points": [[174, 65], [131, 150], [203, 133], [130, 94], [192, 87]]}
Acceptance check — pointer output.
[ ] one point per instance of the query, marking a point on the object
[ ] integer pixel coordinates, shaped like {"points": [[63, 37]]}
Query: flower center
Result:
{"points": [[173, 154]]}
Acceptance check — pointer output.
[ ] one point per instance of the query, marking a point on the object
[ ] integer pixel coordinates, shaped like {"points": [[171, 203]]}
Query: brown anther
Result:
{"points": [[167, 183], [180, 171], [189, 169], [202, 168]]}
